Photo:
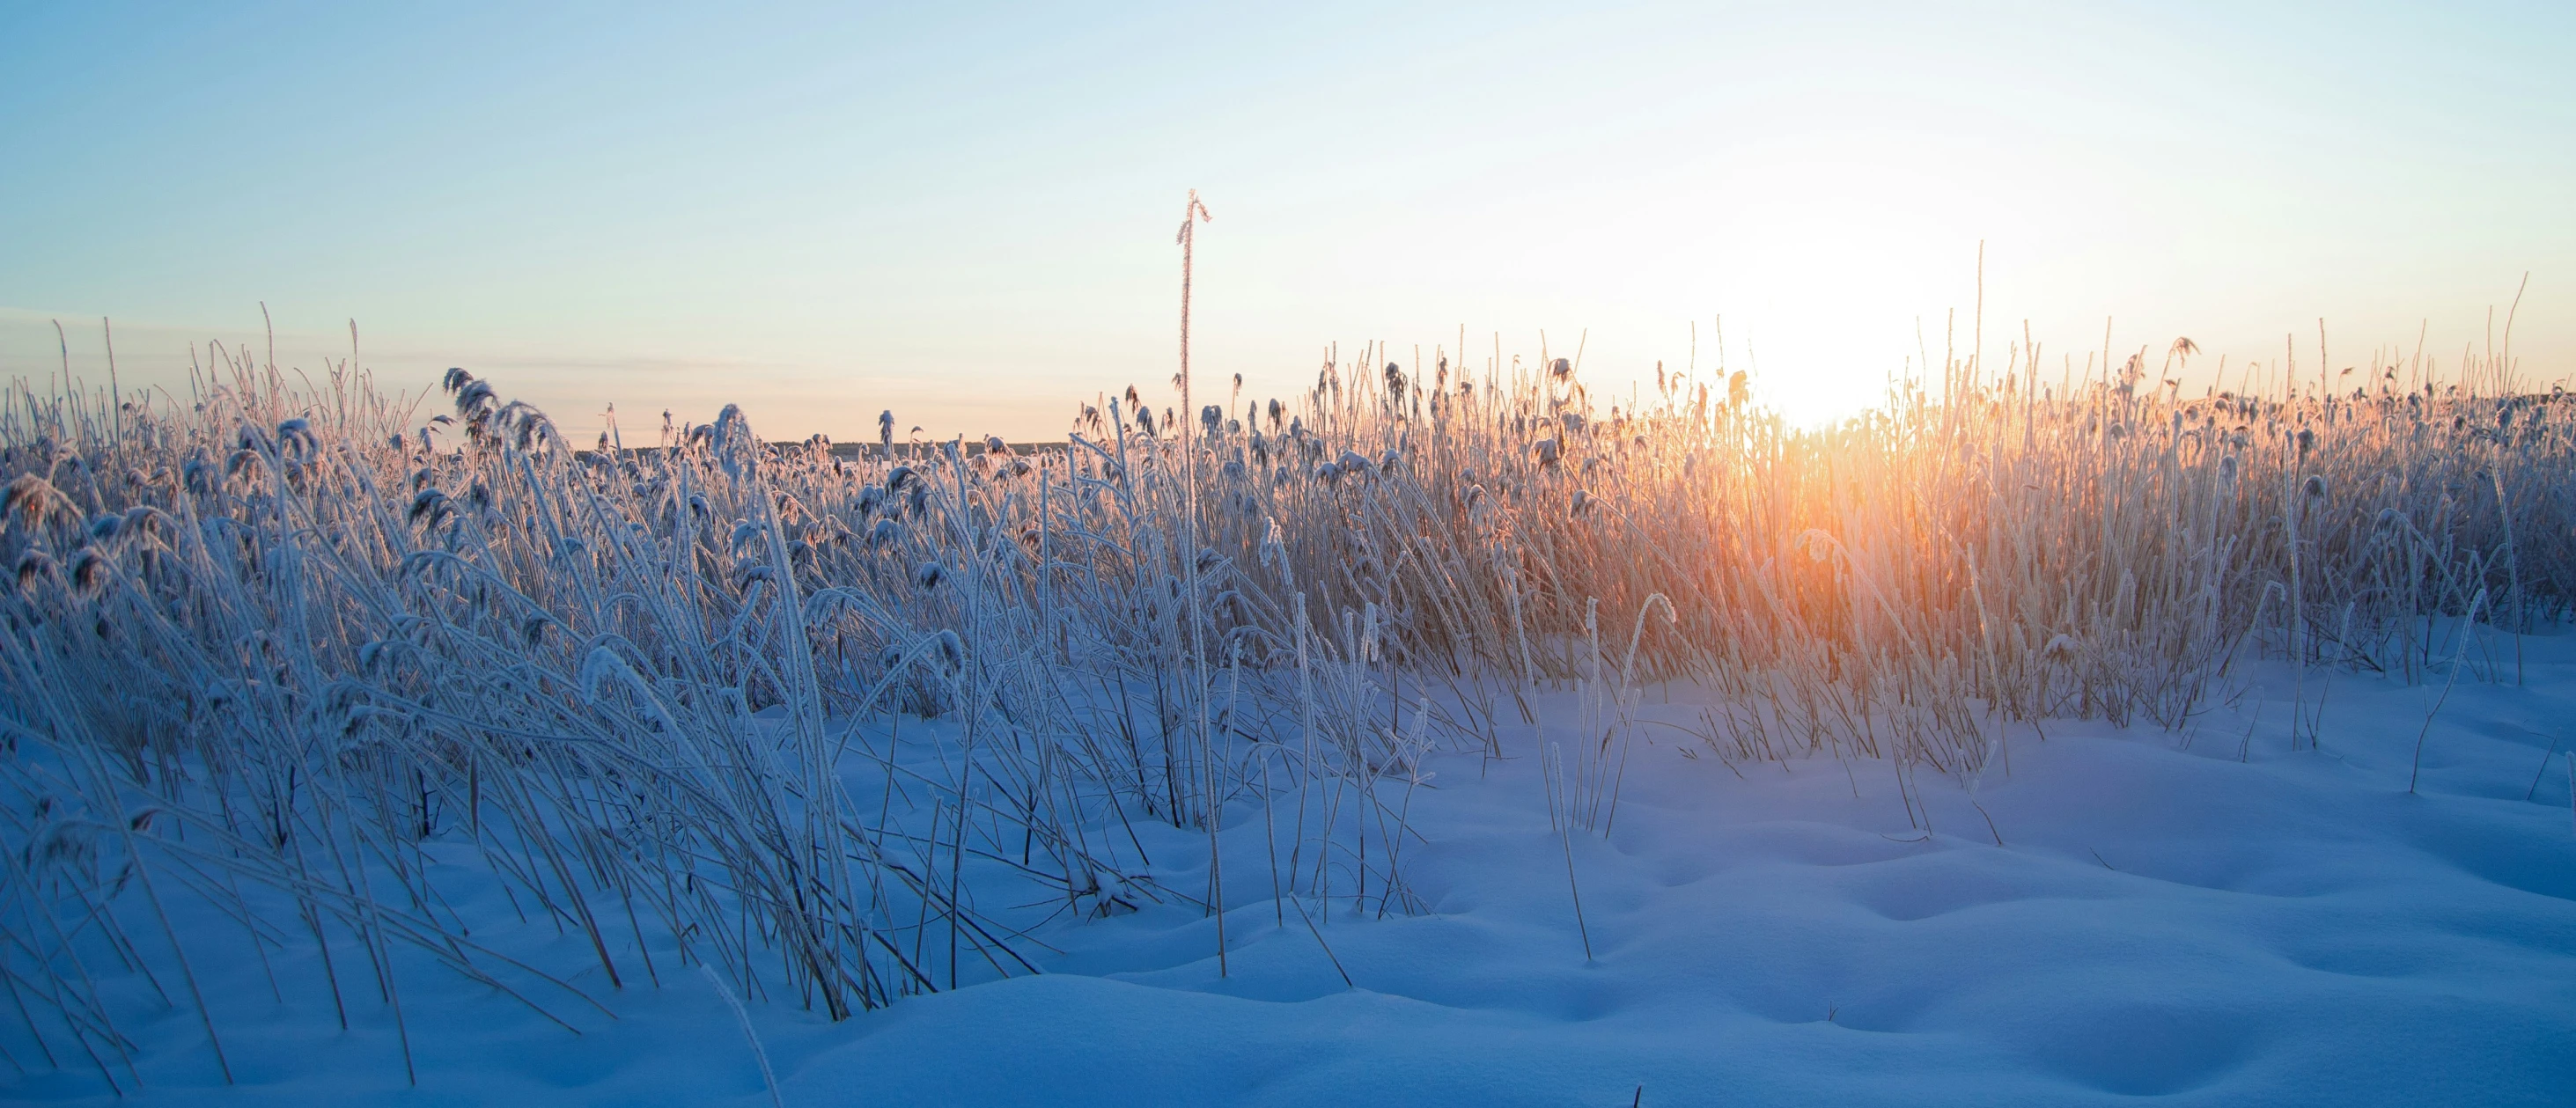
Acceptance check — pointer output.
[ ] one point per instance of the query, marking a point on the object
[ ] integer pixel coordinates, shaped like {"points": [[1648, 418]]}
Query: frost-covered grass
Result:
{"points": [[388, 722]]}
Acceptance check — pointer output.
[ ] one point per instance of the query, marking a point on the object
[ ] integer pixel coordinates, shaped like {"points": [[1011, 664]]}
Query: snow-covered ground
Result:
{"points": [[2117, 917]]}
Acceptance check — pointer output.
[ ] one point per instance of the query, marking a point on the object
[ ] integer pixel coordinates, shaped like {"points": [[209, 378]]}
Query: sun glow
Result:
{"points": [[840, 225]]}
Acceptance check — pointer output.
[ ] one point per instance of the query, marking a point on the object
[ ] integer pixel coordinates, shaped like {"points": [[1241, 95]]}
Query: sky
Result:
{"points": [[966, 214]]}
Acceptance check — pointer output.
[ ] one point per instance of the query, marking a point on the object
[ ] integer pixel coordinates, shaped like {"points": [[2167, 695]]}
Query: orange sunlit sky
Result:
{"points": [[966, 215]]}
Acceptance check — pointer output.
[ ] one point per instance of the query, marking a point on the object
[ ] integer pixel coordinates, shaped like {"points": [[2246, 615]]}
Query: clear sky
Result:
{"points": [[966, 214]]}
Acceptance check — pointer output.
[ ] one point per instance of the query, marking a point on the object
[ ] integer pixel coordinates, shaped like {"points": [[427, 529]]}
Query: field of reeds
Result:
{"points": [[838, 726]]}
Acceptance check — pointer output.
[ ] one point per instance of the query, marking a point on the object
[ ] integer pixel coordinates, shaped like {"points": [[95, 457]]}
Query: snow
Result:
{"points": [[2125, 914]]}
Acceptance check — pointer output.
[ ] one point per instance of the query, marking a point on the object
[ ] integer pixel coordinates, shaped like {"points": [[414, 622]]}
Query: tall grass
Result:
{"points": [[270, 649]]}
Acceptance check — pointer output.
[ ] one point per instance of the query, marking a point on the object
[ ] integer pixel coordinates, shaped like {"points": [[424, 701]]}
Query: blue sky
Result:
{"points": [[965, 214]]}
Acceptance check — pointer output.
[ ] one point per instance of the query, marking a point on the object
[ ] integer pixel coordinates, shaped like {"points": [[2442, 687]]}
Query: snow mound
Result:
{"points": [[2203, 918]]}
